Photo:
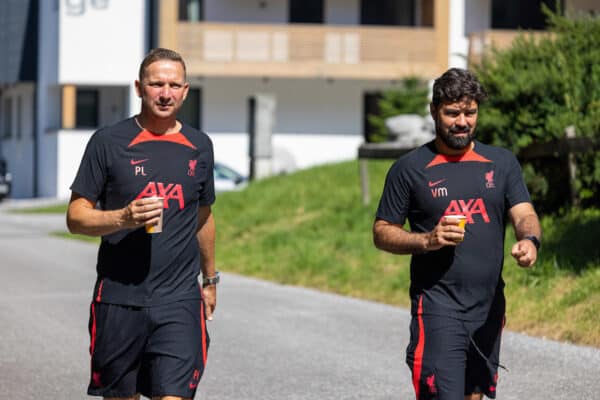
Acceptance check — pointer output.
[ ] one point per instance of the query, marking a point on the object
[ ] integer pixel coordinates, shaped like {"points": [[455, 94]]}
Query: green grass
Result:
{"points": [[560, 297], [67, 235], [53, 209], [311, 229]]}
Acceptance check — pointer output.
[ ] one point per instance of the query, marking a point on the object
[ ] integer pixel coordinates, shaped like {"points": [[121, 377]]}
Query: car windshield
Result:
{"points": [[223, 172]]}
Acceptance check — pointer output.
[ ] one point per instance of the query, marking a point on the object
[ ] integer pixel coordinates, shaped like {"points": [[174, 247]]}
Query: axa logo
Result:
{"points": [[436, 190], [168, 191], [489, 180], [468, 208]]}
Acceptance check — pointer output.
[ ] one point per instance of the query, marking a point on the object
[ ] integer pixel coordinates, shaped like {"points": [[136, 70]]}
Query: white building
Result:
{"points": [[71, 64]]}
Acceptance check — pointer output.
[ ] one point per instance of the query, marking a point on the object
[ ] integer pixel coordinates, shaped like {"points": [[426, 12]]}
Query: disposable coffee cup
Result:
{"points": [[462, 221], [158, 226]]}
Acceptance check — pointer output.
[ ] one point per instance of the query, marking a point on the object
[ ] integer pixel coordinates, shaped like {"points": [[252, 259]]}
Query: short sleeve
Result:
{"points": [[395, 199], [516, 190], [206, 195], [91, 176]]}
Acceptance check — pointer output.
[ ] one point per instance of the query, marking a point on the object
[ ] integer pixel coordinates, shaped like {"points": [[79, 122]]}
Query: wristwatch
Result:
{"points": [[534, 240], [213, 280]]}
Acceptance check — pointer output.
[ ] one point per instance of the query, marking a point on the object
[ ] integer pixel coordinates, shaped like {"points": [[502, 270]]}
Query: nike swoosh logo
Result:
{"points": [[193, 385], [432, 184], [136, 162]]}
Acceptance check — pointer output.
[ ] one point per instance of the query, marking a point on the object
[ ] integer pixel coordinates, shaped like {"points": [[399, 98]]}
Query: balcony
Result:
{"points": [[307, 51], [480, 43]]}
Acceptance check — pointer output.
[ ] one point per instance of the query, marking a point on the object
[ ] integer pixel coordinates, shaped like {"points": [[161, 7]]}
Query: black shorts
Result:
{"points": [[450, 358], [155, 351]]}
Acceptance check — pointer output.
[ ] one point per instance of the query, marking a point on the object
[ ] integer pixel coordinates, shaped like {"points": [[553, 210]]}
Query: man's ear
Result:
{"points": [[186, 89], [432, 110], [138, 88]]}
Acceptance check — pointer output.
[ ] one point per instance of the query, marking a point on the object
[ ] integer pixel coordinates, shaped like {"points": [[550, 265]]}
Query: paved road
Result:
{"points": [[268, 341]]}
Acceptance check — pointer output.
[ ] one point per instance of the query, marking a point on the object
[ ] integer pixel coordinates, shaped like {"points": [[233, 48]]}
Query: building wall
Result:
{"points": [[316, 121], [70, 145], [48, 99], [18, 41], [100, 42], [82, 43]]}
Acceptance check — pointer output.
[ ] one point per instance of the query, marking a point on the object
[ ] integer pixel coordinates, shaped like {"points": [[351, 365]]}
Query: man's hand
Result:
{"points": [[142, 212], [445, 233], [209, 293], [524, 252], [85, 219]]}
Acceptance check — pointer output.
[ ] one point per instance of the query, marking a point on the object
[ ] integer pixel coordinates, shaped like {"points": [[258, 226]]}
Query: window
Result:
{"points": [[306, 11], [86, 111], [191, 10], [515, 14], [190, 110], [387, 12], [7, 118]]}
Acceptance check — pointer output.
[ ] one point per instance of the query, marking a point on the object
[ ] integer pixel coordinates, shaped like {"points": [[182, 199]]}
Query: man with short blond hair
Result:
{"points": [[148, 313]]}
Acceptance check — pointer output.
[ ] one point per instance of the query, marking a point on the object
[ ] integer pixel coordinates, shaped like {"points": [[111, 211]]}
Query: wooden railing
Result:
{"points": [[253, 50], [480, 43]]}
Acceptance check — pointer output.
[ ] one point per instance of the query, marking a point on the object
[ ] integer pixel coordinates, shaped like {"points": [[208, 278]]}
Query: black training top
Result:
{"points": [[483, 184], [122, 163]]}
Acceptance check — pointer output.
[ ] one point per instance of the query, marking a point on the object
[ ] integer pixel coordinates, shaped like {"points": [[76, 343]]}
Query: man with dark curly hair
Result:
{"points": [[458, 195]]}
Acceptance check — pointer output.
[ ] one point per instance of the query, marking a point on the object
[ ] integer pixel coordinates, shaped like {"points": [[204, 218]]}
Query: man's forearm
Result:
{"points": [[206, 241], [528, 225], [394, 239], [92, 222]]}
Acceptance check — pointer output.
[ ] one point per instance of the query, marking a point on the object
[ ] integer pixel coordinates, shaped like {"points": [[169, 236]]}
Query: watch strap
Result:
{"points": [[534, 240], [212, 280]]}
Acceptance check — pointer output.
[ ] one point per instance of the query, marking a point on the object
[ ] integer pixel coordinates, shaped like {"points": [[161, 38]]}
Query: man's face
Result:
{"points": [[455, 122], [163, 88]]}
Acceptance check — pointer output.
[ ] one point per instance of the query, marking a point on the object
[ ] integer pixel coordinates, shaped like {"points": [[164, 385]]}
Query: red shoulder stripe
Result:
{"points": [[146, 136], [470, 155]]}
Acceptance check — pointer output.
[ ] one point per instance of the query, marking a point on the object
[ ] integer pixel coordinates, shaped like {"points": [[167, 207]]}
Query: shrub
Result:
{"points": [[536, 89]]}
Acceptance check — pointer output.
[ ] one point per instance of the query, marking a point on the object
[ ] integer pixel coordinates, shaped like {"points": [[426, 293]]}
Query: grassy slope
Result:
{"points": [[311, 229]]}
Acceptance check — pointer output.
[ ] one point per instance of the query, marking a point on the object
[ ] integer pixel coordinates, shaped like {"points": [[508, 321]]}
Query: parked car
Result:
{"points": [[5, 180], [227, 179]]}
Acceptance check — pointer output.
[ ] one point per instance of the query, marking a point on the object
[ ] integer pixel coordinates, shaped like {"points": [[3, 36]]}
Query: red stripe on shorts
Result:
{"points": [[418, 362], [93, 332], [203, 327]]}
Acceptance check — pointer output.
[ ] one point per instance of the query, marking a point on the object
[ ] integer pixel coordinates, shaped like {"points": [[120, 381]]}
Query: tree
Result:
{"points": [[536, 89]]}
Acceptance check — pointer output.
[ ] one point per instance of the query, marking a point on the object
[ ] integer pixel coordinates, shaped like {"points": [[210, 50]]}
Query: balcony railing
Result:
{"points": [[300, 51], [480, 43]]}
